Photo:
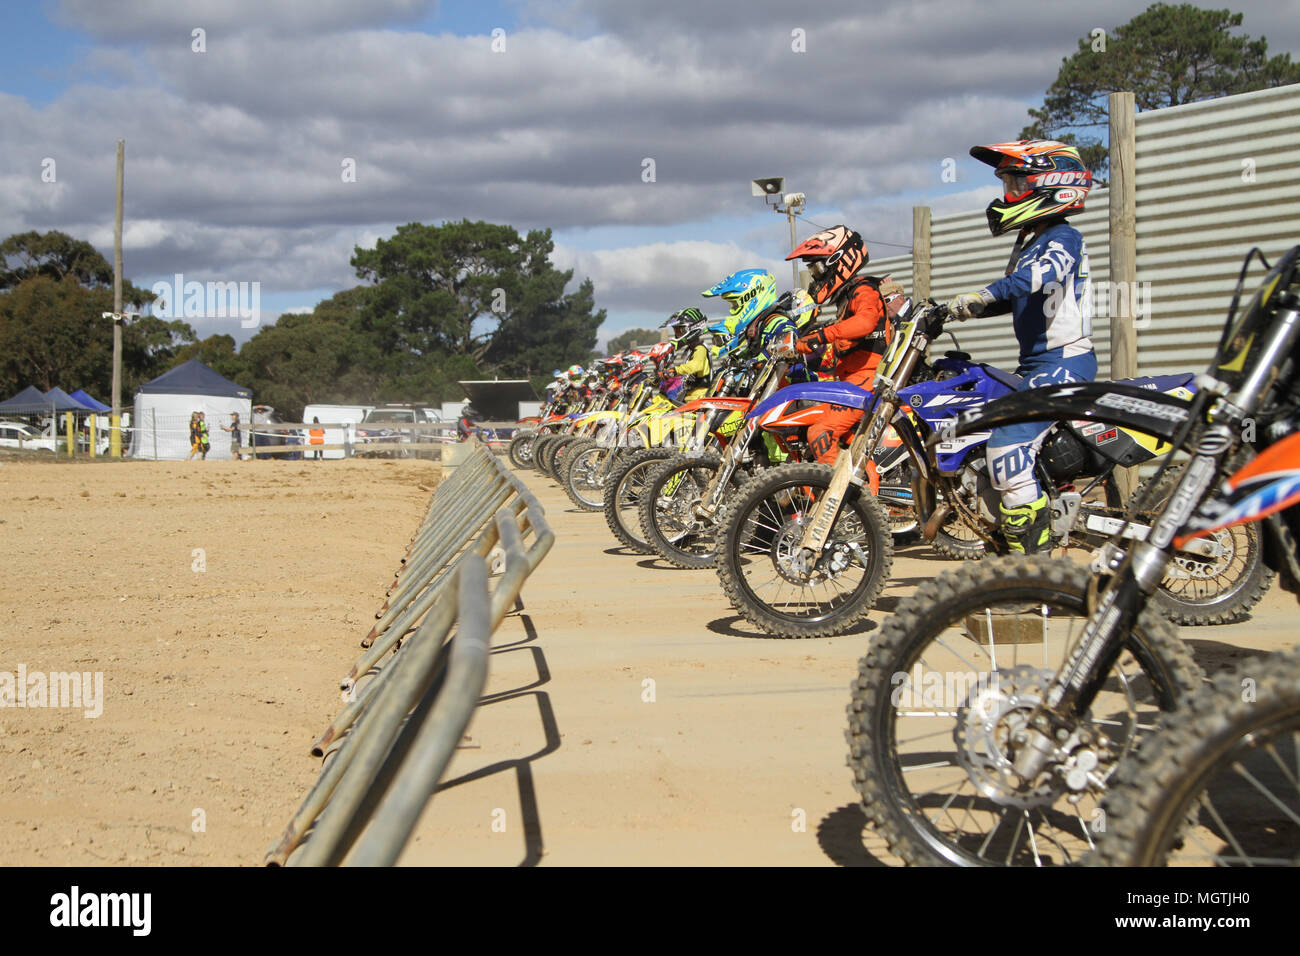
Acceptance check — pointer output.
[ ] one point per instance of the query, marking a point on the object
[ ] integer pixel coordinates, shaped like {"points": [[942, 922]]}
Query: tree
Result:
{"points": [[54, 255], [55, 291], [1166, 56], [475, 292], [625, 340], [308, 359], [538, 337]]}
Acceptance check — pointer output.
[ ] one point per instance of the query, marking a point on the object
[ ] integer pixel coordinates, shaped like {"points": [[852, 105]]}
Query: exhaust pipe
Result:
{"points": [[938, 518]]}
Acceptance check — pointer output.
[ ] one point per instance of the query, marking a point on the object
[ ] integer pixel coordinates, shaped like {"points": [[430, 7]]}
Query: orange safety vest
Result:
{"points": [[317, 436]]}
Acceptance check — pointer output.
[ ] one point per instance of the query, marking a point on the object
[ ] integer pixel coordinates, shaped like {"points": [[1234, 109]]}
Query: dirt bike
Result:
{"points": [[684, 497], [954, 499], [994, 708], [704, 424], [649, 420], [1217, 784]]}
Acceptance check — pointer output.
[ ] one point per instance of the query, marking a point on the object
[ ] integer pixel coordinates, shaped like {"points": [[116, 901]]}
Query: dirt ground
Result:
{"points": [[221, 601], [631, 717]]}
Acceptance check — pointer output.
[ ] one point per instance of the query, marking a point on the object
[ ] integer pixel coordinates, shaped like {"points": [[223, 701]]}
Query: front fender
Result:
{"points": [[709, 403], [1141, 409], [589, 417], [833, 393]]}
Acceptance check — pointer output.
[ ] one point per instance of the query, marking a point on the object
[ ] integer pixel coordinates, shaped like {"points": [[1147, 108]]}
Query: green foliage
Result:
{"points": [[477, 290], [55, 291], [625, 340], [1166, 56], [443, 303]]}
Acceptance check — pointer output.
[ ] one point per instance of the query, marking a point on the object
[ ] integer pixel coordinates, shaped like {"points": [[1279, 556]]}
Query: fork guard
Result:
{"points": [[1113, 403]]}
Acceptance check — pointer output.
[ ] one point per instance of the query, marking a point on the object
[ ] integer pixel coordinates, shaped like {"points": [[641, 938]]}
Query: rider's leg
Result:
{"points": [[1026, 517], [1012, 453]]}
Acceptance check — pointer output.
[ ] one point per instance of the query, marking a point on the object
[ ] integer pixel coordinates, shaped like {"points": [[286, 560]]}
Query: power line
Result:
{"points": [[874, 242]]}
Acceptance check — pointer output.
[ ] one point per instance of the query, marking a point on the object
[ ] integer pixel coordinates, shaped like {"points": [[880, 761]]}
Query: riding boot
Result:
{"points": [[1027, 528]]}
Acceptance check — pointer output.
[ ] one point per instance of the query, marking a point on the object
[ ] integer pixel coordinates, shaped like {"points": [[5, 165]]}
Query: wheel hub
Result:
{"points": [[995, 715], [1207, 569]]}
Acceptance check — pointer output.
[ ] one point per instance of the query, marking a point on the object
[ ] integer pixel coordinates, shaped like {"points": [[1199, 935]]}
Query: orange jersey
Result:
{"points": [[862, 315]]}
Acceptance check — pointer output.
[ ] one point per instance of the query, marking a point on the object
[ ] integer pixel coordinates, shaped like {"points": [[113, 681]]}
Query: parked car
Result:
{"points": [[18, 435], [383, 425]]}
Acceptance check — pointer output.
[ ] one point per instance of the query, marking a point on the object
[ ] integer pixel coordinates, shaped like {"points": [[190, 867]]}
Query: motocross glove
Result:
{"points": [[810, 343], [967, 304]]}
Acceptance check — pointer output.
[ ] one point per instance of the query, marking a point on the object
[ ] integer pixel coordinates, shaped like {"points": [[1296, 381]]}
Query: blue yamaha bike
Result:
{"points": [[807, 547]]}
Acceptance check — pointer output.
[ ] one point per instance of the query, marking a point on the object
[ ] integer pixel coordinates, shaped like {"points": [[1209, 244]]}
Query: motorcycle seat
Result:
{"points": [[1009, 379], [1161, 383]]}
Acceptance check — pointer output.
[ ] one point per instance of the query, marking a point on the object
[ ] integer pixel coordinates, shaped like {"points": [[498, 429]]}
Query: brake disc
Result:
{"points": [[1203, 569], [997, 708]]}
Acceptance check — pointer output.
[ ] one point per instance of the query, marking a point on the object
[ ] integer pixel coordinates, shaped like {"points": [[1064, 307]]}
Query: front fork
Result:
{"points": [[1074, 687], [848, 467]]}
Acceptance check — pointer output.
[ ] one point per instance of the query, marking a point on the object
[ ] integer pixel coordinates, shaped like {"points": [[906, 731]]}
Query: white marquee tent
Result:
{"points": [[161, 422]]}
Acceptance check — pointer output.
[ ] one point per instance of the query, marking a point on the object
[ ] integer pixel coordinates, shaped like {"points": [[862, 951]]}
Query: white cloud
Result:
{"points": [[234, 156]]}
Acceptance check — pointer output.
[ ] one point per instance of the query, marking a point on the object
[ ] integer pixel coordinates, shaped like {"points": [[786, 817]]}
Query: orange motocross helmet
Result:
{"points": [[834, 256], [1041, 179]]}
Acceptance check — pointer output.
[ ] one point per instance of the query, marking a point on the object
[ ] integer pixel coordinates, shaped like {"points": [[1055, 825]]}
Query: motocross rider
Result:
{"points": [[1047, 289], [691, 356], [855, 342]]}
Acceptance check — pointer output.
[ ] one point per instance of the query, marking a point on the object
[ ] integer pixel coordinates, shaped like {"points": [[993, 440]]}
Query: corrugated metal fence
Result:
{"points": [[1213, 180]]}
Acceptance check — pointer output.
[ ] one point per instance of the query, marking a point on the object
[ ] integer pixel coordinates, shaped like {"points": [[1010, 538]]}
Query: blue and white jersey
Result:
{"points": [[1050, 293]]}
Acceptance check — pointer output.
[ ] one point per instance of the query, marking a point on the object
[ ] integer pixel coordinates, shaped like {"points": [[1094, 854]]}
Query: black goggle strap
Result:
{"points": [[1015, 252]]}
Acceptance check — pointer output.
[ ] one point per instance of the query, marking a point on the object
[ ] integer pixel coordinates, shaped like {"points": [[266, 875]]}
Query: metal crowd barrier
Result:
{"points": [[387, 750]]}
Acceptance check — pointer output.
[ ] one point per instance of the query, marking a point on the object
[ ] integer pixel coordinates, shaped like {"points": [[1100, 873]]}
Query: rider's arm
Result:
{"points": [[698, 364], [863, 316]]}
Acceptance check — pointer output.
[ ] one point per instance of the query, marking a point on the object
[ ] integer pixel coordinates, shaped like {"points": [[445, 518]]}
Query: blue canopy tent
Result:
{"points": [[81, 396], [30, 401], [61, 401]]}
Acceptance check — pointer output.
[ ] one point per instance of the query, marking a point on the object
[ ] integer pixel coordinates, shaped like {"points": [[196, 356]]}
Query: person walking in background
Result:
{"points": [[205, 442], [316, 437], [233, 428], [194, 436]]}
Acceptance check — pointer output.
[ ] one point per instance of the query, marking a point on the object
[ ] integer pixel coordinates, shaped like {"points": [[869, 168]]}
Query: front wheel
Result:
{"points": [[583, 481], [944, 698], [1219, 785], [773, 583], [521, 449], [623, 490], [668, 517]]}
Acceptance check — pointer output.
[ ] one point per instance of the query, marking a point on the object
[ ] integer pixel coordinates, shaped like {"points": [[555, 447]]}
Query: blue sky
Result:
{"points": [[233, 155]]}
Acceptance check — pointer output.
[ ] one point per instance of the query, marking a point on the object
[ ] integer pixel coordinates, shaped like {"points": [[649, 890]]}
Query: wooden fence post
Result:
{"points": [[1123, 252]]}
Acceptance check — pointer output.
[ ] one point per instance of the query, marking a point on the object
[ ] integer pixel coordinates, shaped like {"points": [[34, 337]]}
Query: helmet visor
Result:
{"points": [[1014, 185]]}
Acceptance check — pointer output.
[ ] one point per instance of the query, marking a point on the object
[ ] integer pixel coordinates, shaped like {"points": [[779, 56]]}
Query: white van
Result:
{"points": [[336, 415]]}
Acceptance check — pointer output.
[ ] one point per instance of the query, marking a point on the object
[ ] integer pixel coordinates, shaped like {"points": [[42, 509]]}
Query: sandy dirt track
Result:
{"points": [[735, 753], [214, 681], [739, 759]]}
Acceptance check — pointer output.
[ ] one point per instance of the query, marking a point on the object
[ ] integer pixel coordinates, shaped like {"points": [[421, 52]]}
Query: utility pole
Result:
{"points": [[115, 422], [789, 203], [793, 206], [794, 263]]}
